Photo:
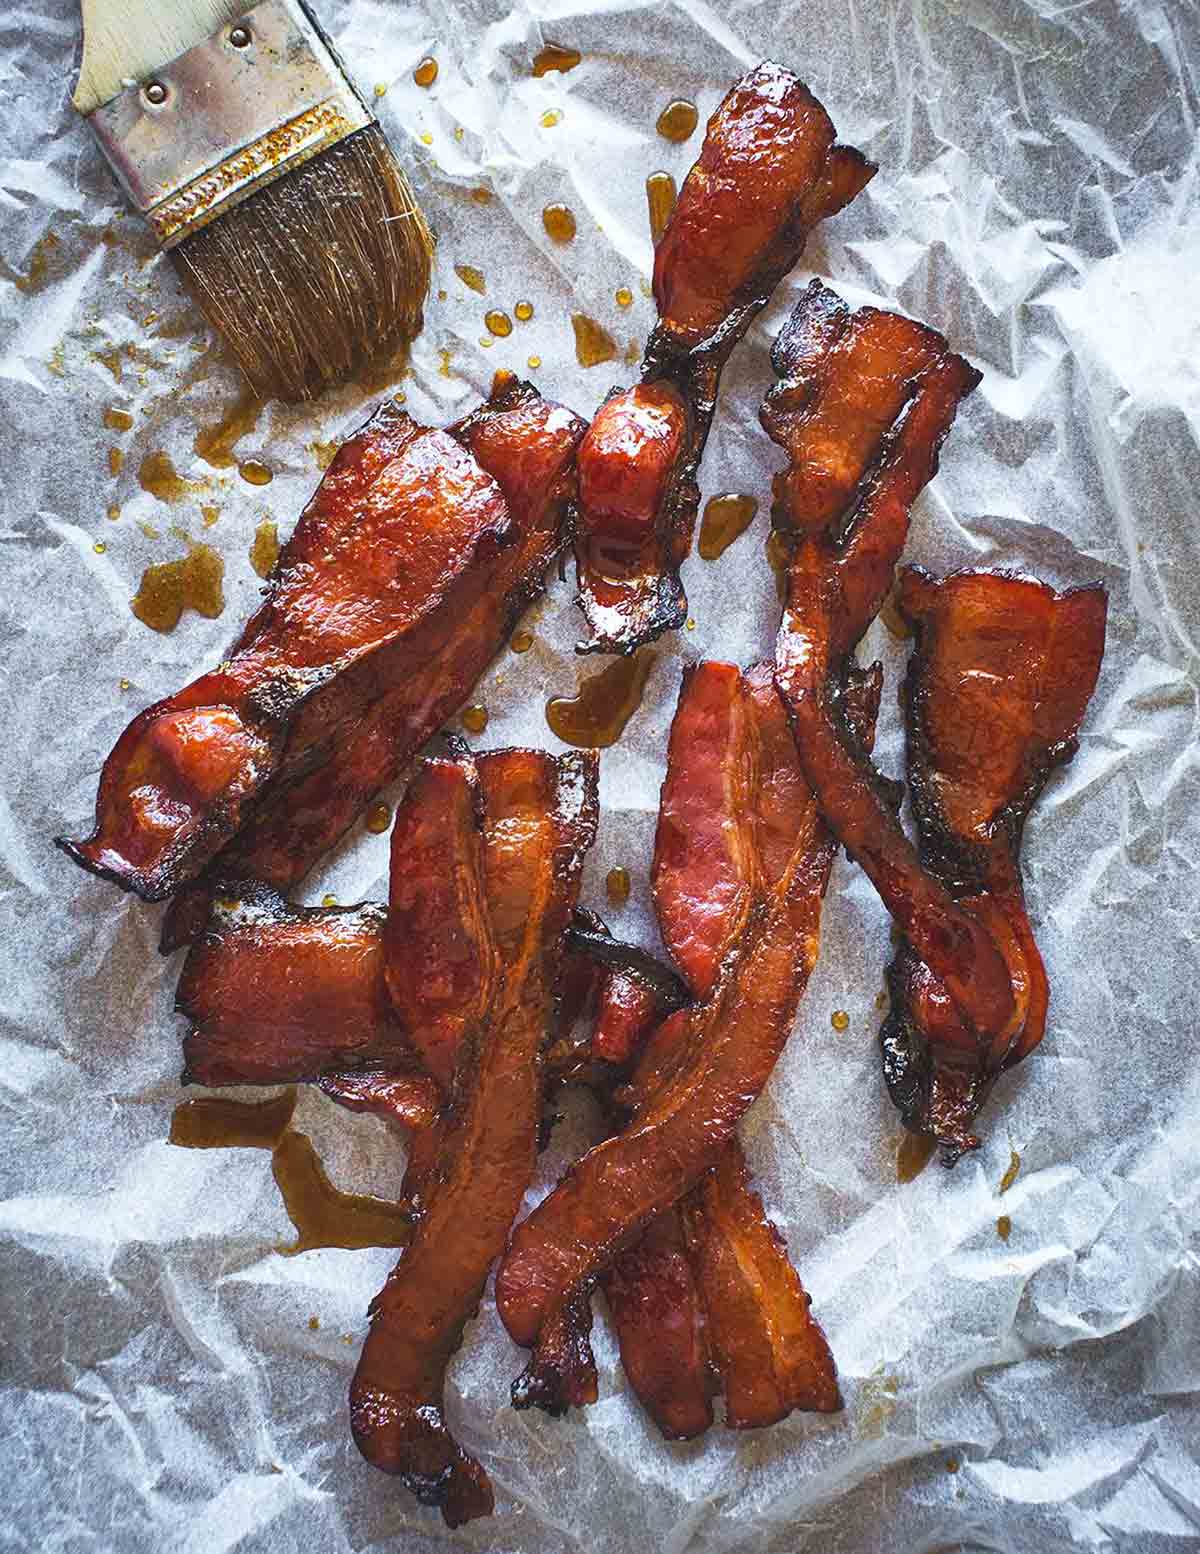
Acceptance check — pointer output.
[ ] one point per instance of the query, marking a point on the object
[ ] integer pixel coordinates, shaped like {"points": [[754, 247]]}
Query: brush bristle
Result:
{"points": [[318, 276]]}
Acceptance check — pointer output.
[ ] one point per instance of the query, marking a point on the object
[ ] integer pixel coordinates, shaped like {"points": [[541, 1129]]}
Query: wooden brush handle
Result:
{"points": [[128, 40]]}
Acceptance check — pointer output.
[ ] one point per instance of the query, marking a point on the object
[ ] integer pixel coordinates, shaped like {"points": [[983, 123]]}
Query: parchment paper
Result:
{"points": [[1038, 201]]}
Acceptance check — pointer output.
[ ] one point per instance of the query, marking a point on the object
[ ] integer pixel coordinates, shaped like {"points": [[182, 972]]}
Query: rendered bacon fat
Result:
{"points": [[768, 172], [543, 814], [700, 1073], [351, 746], [1002, 674], [393, 538], [865, 402]]}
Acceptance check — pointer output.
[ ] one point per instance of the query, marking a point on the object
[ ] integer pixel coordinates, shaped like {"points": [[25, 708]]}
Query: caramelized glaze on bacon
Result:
{"points": [[398, 533], [542, 817], [699, 1074], [997, 687], [768, 172], [352, 746]]}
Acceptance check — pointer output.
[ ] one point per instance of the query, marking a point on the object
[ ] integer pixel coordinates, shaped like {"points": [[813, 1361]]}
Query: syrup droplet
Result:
{"points": [[117, 420], [381, 88], [426, 138], [779, 557], [378, 819], [595, 717], [471, 277], [255, 474], [329, 900], [161, 479], [551, 117], [216, 1122], [725, 517], [534, 363], [214, 444], [264, 553], [840, 1020], [324, 453], [678, 120], [170, 587], [915, 1152], [660, 202], [325, 1216], [624, 297], [524, 311], [1010, 1176], [889, 614], [209, 515], [124, 684], [475, 718], [616, 885], [593, 343], [559, 222], [114, 511], [444, 363], [426, 72], [314, 1324], [499, 323], [522, 641], [1004, 1227], [486, 342], [115, 460], [99, 547], [501, 379], [952, 1464], [481, 196], [554, 57]]}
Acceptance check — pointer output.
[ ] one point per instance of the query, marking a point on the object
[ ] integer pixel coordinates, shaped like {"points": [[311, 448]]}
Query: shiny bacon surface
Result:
{"points": [[395, 536], [543, 816], [997, 688], [769, 170], [352, 745]]}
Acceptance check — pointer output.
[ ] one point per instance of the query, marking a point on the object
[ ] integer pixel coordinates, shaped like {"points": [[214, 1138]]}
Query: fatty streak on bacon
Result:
{"points": [[543, 815], [769, 170], [997, 688], [688, 1095], [393, 537], [353, 744], [861, 446]]}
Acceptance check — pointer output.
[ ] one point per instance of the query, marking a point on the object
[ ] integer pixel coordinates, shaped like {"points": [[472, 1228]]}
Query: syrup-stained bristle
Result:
{"points": [[318, 276]]}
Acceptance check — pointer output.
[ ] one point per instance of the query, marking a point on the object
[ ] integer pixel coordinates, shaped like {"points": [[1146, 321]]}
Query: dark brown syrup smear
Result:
{"points": [[678, 120], [216, 1122], [593, 343], [725, 518], [170, 587], [915, 1152], [554, 57], [214, 444], [595, 717], [324, 1215]]}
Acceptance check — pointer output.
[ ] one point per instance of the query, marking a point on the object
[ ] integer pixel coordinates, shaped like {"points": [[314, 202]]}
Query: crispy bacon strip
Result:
{"points": [[701, 1071], [997, 687], [411, 1099], [543, 813], [768, 172], [865, 403], [396, 534], [351, 747]]}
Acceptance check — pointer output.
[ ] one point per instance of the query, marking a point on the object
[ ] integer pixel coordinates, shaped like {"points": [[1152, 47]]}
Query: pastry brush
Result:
{"points": [[266, 178]]}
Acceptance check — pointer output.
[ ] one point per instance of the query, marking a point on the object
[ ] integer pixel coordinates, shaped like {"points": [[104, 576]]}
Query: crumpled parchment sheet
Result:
{"points": [[1037, 201]]}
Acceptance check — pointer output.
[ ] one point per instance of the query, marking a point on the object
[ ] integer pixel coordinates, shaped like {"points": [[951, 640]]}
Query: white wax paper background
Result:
{"points": [[1037, 200]]}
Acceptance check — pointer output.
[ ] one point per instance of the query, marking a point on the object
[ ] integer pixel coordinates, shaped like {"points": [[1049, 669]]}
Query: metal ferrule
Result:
{"points": [[227, 117]]}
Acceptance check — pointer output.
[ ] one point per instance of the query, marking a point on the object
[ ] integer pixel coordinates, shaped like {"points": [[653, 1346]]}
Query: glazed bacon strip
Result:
{"points": [[768, 172], [997, 688], [700, 1072], [542, 812], [349, 750], [397, 535], [865, 401]]}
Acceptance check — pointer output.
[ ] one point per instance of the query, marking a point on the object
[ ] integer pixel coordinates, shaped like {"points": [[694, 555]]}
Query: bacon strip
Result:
{"points": [[768, 172], [543, 817], [865, 403], [395, 535], [701, 1071], [997, 687], [349, 750]]}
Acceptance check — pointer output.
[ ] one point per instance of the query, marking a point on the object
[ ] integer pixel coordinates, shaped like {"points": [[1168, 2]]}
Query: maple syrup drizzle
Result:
{"points": [[593, 343], [255, 473], [1011, 1174], [915, 1152], [595, 717], [214, 444], [524, 311], [378, 819], [264, 553], [554, 57], [324, 1215], [677, 122], [472, 278], [1004, 1227], [170, 587], [158, 475], [117, 420], [522, 641], [660, 202], [475, 718], [559, 222], [617, 885], [216, 1122], [426, 73], [725, 518]]}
